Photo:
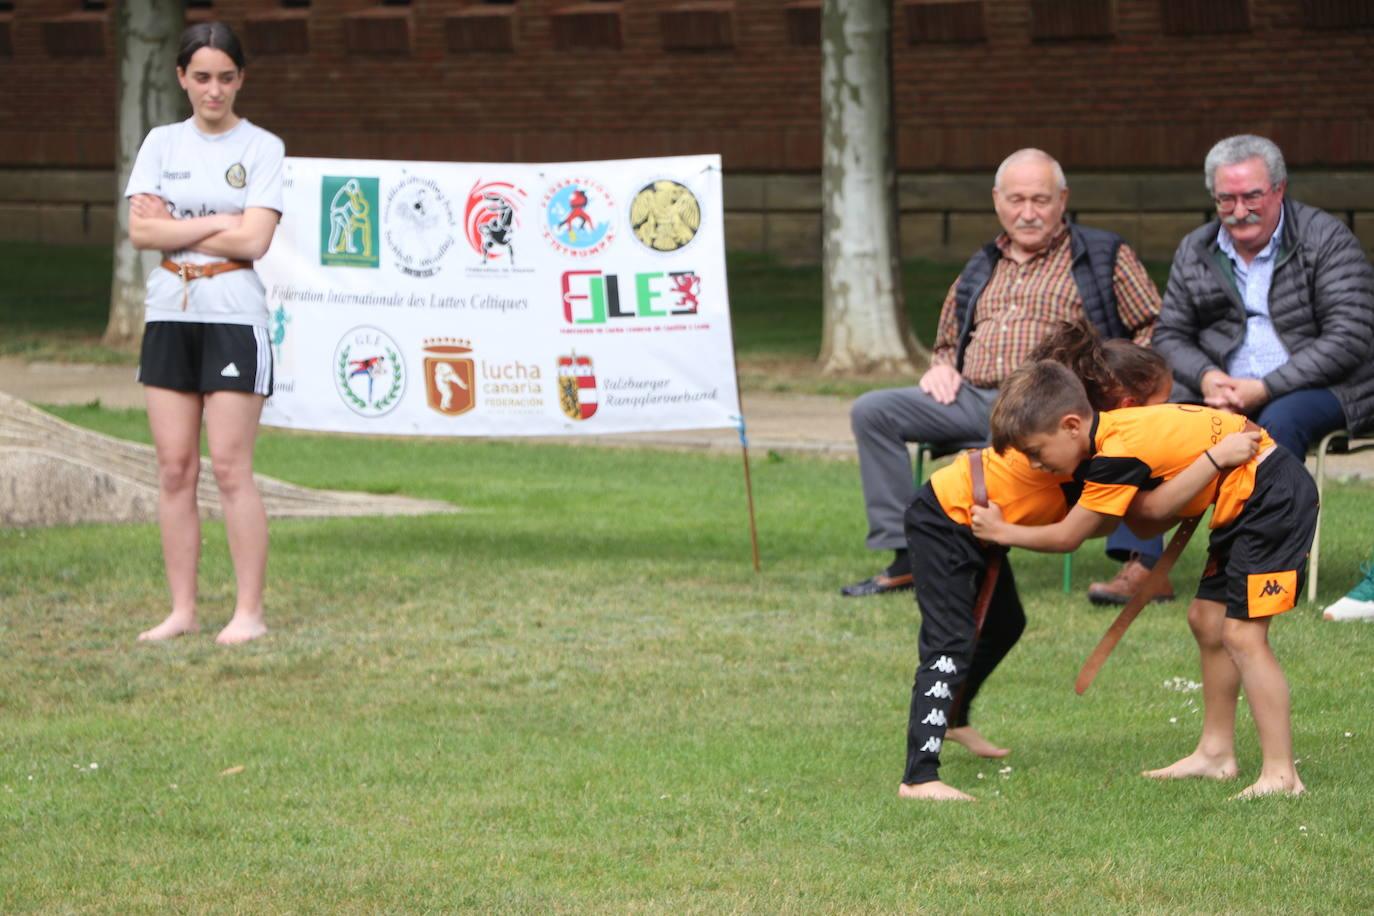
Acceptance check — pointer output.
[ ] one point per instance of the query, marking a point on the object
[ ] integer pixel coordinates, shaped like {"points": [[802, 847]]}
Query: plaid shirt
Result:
{"points": [[1022, 303]]}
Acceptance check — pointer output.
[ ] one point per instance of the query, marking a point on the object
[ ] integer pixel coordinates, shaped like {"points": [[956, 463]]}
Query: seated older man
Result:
{"points": [[1040, 271], [1270, 312]]}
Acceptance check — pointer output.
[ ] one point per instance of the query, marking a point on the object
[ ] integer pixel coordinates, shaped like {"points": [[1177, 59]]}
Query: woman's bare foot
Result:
{"points": [[178, 623], [1283, 784], [244, 627], [933, 791], [1197, 766], [970, 738]]}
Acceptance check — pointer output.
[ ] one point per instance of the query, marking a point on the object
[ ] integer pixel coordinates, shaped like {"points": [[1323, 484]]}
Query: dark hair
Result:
{"points": [[1110, 370], [1033, 399], [215, 35]]}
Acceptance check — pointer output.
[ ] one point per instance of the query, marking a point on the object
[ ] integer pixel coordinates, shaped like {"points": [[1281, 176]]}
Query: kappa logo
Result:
{"points": [[369, 373], [489, 221], [576, 386], [932, 745], [665, 216], [934, 717], [348, 222], [945, 665], [449, 377], [940, 691], [1272, 587]]}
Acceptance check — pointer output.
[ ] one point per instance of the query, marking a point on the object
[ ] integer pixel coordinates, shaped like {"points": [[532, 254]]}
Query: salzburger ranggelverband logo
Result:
{"points": [[665, 215], [369, 372], [578, 217], [348, 222], [576, 386], [419, 226], [490, 220], [450, 377]]}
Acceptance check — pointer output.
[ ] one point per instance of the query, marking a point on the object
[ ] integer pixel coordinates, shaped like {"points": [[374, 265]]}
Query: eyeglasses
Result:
{"points": [[1227, 202]]}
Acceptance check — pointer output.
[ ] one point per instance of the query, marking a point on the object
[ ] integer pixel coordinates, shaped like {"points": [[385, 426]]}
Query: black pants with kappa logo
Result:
{"points": [[949, 566]]}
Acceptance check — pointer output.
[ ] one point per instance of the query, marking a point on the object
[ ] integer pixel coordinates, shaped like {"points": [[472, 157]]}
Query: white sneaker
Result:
{"points": [[1359, 604]]}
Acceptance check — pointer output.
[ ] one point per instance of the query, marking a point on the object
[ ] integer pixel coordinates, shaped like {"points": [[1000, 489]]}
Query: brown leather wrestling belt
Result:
{"points": [[980, 498], [188, 272]]}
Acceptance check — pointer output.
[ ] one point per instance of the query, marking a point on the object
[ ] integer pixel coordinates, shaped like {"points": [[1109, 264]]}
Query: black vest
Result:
{"points": [[1094, 263]]}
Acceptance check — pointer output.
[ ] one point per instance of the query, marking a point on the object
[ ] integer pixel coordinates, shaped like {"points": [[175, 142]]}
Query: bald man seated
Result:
{"points": [[1041, 270]]}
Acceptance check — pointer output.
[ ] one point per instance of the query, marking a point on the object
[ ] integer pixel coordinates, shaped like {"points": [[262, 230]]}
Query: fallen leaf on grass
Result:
{"points": [[232, 771]]}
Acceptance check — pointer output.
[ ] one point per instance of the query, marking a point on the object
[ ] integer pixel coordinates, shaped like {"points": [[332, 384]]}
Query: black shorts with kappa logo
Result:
{"points": [[1257, 565], [201, 358]]}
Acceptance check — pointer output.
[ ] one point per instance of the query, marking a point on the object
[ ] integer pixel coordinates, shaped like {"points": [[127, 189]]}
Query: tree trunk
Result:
{"points": [[148, 31], [866, 328]]}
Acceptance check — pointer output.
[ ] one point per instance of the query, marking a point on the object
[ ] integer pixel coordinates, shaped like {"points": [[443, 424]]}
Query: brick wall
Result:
{"points": [[1102, 84]]}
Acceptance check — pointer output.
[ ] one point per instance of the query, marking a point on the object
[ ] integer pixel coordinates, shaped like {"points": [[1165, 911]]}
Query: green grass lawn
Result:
{"points": [[576, 696]]}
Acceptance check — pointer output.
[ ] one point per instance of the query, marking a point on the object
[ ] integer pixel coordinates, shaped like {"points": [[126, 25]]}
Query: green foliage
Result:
{"points": [[575, 695]]}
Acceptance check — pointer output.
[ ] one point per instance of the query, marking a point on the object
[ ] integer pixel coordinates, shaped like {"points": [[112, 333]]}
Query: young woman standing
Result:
{"points": [[207, 193]]}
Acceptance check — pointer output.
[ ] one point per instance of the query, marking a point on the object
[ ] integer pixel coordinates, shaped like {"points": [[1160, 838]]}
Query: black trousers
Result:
{"points": [[949, 565]]}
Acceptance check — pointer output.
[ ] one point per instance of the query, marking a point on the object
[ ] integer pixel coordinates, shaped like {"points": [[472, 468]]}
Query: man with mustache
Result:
{"points": [[1039, 271], [1269, 310]]}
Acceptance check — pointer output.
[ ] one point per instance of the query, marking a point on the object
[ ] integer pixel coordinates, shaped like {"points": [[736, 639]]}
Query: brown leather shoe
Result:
{"points": [[880, 584], [1128, 580]]}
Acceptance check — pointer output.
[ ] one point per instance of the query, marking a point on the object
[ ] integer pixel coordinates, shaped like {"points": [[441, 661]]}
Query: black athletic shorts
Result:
{"points": [[197, 357], [1257, 565]]}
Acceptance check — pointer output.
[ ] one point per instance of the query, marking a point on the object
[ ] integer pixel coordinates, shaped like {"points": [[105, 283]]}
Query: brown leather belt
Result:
{"points": [[980, 498], [188, 272]]}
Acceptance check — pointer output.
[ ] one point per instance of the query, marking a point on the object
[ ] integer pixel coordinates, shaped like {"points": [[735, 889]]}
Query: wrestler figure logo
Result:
{"points": [[419, 226], [449, 376], [369, 372], [348, 222], [489, 221], [578, 217], [665, 215], [576, 386]]}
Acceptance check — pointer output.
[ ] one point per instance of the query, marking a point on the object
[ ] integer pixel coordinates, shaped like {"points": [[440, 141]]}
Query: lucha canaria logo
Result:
{"points": [[237, 176], [665, 215]]}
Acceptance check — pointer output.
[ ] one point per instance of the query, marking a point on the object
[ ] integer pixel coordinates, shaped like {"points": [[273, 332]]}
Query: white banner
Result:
{"points": [[486, 299]]}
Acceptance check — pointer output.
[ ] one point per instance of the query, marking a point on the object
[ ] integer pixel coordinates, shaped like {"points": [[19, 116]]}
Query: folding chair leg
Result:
{"points": [[1315, 556]]}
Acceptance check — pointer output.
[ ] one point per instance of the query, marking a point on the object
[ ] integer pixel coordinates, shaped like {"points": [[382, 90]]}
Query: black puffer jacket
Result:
{"points": [[1321, 302]]}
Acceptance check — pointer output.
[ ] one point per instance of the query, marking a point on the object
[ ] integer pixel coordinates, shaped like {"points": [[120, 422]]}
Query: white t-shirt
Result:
{"points": [[200, 175]]}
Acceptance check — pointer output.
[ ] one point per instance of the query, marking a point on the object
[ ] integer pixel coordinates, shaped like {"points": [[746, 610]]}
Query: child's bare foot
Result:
{"points": [[933, 791], [178, 623], [244, 627], [1197, 766], [1283, 784], [970, 738]]}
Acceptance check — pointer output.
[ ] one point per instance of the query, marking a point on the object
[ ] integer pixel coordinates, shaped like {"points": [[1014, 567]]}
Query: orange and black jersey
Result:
{"points": [[1025, 495], [1138, 448]]}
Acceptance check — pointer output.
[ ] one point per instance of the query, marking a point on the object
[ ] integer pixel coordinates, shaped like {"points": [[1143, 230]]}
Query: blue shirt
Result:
{"points": [[1261, 351]]}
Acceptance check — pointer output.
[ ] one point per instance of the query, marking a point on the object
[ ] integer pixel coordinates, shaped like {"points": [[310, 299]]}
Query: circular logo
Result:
{"points": [[369, 373], [665, 215], [237, 176], [489, 221], [578, 217], [419, 226]]}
